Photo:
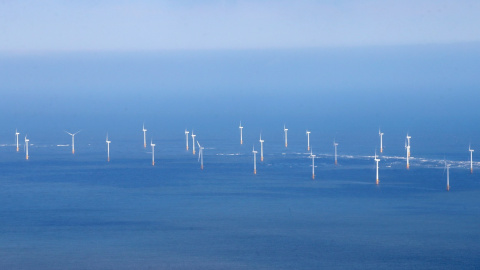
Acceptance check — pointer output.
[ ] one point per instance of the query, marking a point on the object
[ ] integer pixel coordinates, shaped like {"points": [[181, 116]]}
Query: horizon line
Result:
{"points": [[237, 49]]}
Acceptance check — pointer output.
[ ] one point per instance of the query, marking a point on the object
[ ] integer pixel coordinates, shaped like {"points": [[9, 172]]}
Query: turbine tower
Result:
{"points": [[447, 167], [408, 143], [73, 140], [407, 146], [153, 152], [377, 160], [241, 132], [186, 137], [254, 161], [144, 136], [16, 134], [471, 158], [200, 155], [286, 141], [381, 140], [335, 145], [308, 140], [193, 142], [261, 147], [26, 147], [312, 156], [108, 148]]}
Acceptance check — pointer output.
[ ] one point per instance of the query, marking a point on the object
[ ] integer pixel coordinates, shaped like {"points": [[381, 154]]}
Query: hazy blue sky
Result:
{"points": [[156, 25]]}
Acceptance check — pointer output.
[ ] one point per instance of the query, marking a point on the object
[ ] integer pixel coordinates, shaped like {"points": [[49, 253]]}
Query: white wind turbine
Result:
{"points": [[193, 142], [335, 144], [144, 136], [200, 155], [73, 140], [377, 160], [254, 161], [312, 156], [153, 152], [308, 140], [16, 134], [186, 137], [471, 158], [261, 147], [26, 147], [108, 148], [285, 130], [241, 132], [381, 140]]}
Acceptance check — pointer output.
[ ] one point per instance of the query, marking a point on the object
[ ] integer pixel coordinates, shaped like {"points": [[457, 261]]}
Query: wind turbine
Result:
{"points": [[200, 154], [471, 158], [73, 140], [193, 142], [285, 130], [16, 134], [254, 161], [312, 156], [186, 137], [144, 136], [377, 160], [447, 167], [308, 140], [241, 132], [335, 145], [381, 140], [153, 152], [261, 147], [108, 148], [26, 147]]}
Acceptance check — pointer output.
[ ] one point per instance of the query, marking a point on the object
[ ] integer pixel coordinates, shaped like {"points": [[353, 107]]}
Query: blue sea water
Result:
{"points": [[64, 211]]}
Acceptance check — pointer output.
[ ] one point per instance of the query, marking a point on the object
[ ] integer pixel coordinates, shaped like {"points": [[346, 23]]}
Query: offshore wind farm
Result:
{"points": [[161, 192], [239, 135], [286, 178]]}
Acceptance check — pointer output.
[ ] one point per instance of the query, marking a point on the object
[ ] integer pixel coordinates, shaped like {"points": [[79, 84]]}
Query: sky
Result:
{"points": [[51, 25]]}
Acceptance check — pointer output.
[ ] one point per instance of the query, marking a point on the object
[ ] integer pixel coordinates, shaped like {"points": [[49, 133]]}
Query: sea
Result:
{"points": [[60, 210]]}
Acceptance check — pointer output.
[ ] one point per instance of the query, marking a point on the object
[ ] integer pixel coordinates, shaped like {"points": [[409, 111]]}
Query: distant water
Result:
{"points": [[64, 211]]}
